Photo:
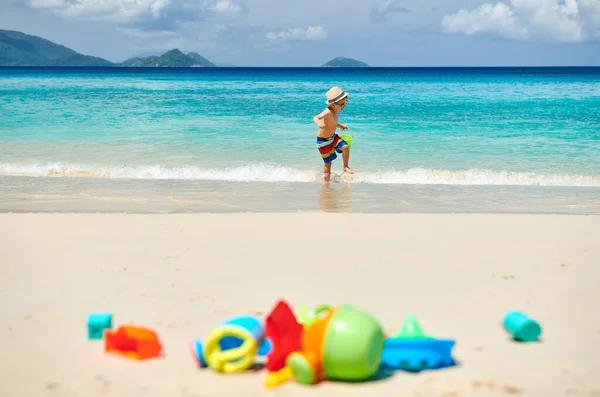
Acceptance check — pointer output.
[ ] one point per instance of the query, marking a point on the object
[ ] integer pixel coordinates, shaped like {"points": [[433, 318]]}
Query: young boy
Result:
{"points": [[328, 141]]}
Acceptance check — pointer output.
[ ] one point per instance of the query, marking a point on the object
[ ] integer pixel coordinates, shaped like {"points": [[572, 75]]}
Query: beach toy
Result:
{"points": [[97, 323], [279, 377], [522, 327], [345, 345], [412, 350], [411, 329], [284, 333], [307, 317], [233, 346], [133, 342], [348, 139]]}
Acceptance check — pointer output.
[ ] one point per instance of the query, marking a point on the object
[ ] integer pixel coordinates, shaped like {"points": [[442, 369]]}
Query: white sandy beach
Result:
{"points": [[182, 274]]}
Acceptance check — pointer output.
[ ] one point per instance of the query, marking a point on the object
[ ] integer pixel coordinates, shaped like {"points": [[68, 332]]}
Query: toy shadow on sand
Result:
{"points": [[414, 370]]}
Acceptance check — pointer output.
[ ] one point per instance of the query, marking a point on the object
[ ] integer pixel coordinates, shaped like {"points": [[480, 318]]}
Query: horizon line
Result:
{"points": [[303, 67]]}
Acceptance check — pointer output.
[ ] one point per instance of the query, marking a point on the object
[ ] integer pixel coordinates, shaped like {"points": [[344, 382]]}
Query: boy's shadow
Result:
{"points": [[335, 197]]}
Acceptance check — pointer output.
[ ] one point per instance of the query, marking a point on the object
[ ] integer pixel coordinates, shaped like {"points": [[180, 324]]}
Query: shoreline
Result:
{"points": [[81, 195], [183, 274], [290, 212]]}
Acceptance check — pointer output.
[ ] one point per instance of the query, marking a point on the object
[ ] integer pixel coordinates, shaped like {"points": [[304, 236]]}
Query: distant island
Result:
{"points": [[341, 62], [20, 49], [172, 58]]}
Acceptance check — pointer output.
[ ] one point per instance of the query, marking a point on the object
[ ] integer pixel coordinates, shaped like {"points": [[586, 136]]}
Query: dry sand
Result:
{"points": [[183, 274]]}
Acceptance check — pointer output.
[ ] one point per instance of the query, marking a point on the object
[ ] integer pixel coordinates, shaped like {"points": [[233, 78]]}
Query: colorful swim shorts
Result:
{"points": [[328, 147]]}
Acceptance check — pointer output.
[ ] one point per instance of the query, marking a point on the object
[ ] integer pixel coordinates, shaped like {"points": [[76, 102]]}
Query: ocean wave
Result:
{"points": [[277, 173], [244, 173]]}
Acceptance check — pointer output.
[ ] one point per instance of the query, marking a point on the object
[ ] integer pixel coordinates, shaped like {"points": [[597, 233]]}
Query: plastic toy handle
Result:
{"points": [[322, 309], [231, 360], [307, 317]]}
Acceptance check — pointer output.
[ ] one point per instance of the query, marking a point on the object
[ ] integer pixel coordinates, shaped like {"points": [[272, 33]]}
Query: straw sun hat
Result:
{"points": [[335, 94]]}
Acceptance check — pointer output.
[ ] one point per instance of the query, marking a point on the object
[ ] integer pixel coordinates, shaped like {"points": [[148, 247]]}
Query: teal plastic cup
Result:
{"points": [[522, 327]]}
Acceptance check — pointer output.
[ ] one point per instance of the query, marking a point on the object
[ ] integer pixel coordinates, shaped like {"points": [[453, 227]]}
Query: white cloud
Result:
{"points": [[223, 6], [111, 10], [310, 33], [498, 18], [591, 17], [47, 3], [147, 34], [385, 7], [558, 21]]}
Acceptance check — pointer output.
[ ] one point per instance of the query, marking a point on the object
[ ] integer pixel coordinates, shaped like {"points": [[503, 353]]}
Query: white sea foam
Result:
{"points": [[245, 173], [476, 177], [276, 173]]}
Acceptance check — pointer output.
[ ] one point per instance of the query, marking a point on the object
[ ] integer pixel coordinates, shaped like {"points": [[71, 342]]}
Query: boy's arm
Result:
{"points": [[321, 116]]}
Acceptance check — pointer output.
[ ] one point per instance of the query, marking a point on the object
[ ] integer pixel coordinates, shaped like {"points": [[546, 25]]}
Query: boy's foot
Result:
{"points": [[348, 170]]}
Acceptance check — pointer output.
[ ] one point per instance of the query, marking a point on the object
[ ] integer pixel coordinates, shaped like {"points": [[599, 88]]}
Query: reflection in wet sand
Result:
{"points": [[335, 198]]}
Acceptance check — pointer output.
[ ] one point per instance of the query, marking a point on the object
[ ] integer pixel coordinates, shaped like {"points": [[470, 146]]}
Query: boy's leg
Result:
{"points": [[346, 158], [326, 172], [325, 146]]}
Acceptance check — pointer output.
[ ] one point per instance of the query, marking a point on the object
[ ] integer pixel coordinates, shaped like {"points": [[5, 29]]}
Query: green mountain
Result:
{"points": [[200, 59], [20, 49], [173, 58], [341, 62]]}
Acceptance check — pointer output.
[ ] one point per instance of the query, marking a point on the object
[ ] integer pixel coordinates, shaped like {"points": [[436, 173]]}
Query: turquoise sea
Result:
{"points": [[242, 139]]}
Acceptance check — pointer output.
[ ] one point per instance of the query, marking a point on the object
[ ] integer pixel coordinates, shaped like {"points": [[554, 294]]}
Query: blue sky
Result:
{"points": [[311, 32]]}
